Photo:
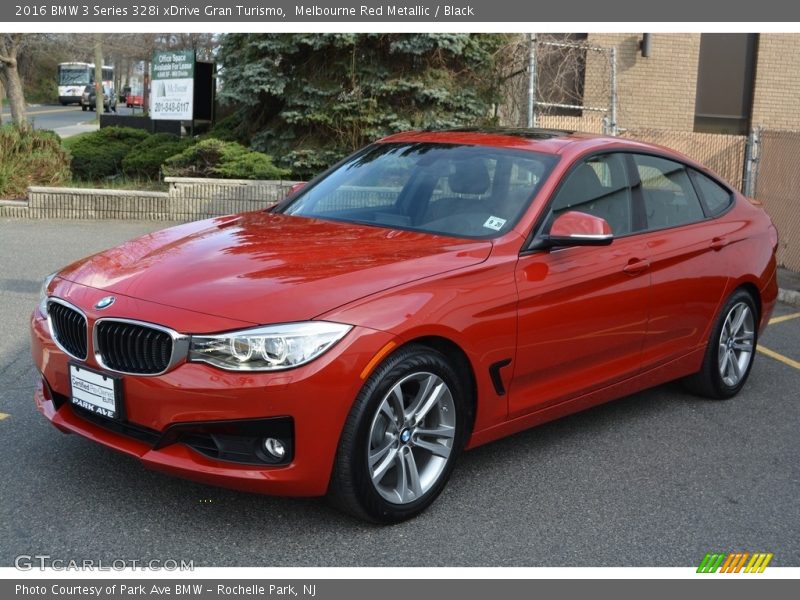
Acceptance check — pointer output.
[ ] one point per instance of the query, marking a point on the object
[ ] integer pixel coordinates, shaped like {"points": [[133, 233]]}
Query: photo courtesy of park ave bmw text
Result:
{"points": [[294, 289]]}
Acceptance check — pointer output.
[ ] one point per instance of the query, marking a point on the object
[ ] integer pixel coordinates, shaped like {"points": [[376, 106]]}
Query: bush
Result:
{"points": [[230, 129], [100, 153], [228, 160], [146, 157], [30, 157]]}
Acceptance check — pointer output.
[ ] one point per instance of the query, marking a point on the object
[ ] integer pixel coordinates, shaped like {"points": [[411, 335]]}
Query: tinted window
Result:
{"points": [[716, 197], [598, 186], [470, 191], [669, 197]]}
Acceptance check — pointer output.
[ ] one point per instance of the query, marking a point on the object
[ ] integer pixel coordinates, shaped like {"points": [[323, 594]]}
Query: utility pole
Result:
{"points": [[531, 80], [99, 105]]}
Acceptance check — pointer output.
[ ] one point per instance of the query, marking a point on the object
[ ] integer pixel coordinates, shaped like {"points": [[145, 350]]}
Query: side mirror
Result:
{"points": [[574, 228]]}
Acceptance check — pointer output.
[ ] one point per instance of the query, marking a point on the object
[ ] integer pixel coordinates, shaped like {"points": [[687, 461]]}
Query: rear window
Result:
{"points": [[669, 196], [717, 199]]}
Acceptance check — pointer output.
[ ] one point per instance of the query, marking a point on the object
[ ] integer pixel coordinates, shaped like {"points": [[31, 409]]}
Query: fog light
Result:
{"points": [[275, 447]]}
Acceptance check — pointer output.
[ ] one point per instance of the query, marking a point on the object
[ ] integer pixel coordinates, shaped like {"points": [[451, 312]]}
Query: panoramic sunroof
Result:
{"points": [[522, 132]]}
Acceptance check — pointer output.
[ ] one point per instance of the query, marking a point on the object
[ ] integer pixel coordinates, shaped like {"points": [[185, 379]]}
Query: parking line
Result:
{"points": [[4, 416], [784, 359], [783, 318]]}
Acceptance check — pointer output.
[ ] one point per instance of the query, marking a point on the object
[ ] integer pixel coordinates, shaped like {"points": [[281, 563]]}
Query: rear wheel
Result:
{"points": [[730, 351], [401, 439]]}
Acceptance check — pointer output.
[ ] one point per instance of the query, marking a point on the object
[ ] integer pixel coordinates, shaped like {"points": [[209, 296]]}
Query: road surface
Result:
{"points": [[64, 120]]}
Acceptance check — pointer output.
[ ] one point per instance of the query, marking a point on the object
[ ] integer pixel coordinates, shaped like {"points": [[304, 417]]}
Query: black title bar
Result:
{"points": [[365, 11]]}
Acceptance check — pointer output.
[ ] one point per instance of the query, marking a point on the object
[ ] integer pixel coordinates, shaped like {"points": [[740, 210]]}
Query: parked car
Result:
{"points": [[134, 100], [433, 292], [89, 99]]}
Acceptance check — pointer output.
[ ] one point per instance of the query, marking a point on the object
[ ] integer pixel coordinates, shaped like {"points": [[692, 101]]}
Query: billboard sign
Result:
{"points": [[172, 93]]}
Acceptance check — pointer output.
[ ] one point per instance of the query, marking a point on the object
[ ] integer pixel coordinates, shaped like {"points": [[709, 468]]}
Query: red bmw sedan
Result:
{"points": [[431, 293]]}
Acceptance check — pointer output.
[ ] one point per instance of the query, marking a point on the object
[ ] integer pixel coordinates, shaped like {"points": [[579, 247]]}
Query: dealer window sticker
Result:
{"points": [[495, 223]]}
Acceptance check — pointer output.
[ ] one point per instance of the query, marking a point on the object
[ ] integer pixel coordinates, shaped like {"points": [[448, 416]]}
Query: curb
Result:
{"points": [[789, 297]]}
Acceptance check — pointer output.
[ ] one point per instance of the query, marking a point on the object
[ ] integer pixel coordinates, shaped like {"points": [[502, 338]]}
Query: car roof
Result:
{"points": [[547, 141]]}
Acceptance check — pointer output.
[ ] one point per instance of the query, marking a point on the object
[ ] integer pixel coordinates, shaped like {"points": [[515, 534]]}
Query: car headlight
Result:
{"points": [[270, 348], [43, 293]]}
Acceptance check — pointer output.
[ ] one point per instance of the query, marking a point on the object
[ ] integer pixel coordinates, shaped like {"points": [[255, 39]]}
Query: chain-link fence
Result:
{"points": [[723, 154], [559, 81], [778, 187]]}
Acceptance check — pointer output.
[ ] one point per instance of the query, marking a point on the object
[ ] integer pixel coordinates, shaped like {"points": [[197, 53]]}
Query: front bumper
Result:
{"points": [[315, 399]]}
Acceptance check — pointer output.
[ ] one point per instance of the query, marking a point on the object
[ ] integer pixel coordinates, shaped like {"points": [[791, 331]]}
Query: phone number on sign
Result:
{"points": [[170, 107]]}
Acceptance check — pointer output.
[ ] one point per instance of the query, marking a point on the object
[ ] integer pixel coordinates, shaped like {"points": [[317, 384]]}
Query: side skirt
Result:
{"points": [[680, 367]]}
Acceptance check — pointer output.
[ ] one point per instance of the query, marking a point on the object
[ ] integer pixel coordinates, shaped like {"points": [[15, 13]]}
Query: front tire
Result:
{"points": [[402, 436], [730, 352]]}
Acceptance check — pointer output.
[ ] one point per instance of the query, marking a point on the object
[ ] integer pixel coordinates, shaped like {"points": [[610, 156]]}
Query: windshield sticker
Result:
{"points": [[495, 223]]}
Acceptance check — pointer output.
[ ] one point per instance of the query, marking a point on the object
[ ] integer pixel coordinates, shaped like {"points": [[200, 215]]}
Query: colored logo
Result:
{"points": [[735, 562], [104, 302]]}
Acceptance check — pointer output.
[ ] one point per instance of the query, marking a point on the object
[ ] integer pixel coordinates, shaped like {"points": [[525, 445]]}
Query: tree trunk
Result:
{"points": [[99, 105], [146, 89], [10, 44], [9, 77]]}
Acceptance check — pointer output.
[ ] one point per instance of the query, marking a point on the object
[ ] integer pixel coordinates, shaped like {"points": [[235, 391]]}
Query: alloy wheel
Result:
{"points": [[736, 344], [411, 437]]}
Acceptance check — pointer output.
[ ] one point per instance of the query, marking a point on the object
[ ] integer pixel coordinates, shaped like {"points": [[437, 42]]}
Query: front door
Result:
{"points": [[583, 310]]}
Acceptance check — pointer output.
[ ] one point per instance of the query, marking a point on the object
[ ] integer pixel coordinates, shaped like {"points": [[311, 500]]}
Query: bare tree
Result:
{"points": [[24, 57], [10, 46], [561, 66]]}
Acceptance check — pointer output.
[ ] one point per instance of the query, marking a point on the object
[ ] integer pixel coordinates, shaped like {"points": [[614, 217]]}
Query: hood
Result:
{"points": [[270, 268]]}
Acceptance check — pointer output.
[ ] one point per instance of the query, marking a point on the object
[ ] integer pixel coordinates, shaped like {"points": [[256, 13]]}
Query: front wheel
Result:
{"points": [[401, 439], [731, 349]]}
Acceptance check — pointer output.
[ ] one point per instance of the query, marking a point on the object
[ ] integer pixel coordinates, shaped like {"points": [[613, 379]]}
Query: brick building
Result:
{"points": [[712, 83]]}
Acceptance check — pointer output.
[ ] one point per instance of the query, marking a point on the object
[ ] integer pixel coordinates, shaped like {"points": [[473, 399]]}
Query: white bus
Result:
{"points": [[73, 77]]}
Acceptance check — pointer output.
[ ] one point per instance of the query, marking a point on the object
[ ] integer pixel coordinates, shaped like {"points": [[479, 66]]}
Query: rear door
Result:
{"points": [[688, 250]]}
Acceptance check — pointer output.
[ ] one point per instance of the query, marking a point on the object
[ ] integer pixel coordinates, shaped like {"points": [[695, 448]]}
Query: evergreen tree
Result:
{"points": [[310, 99]]}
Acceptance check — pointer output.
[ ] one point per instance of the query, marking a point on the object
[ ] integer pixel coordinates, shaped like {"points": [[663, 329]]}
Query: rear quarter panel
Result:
{"points": [[752, 258]]}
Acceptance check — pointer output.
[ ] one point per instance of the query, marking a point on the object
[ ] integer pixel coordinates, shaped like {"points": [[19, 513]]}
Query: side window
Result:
{"points": [[598, 186], [669, 197], [716, 197]]}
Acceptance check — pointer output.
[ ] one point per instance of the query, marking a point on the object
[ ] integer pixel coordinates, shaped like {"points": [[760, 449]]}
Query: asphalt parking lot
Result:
{"points": [[655, 479]]}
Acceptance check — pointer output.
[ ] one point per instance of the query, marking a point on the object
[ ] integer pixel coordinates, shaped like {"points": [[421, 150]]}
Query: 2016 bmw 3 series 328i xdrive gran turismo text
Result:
{"points": [[431, 293]]}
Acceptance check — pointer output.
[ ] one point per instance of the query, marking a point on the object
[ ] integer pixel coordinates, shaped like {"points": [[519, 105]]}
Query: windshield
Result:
{"points": [[73, 75], [458, 190]]}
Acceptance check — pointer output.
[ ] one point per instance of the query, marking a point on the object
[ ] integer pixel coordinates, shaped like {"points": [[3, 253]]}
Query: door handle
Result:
{"points": [[718, 243], [636, 266]]}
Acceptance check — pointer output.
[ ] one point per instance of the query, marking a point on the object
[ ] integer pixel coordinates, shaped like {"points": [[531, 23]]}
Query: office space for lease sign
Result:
{"points": [[172, 91]]}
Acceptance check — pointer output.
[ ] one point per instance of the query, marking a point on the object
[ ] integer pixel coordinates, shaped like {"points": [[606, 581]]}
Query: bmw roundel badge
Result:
{"points": [[104, 302]]}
